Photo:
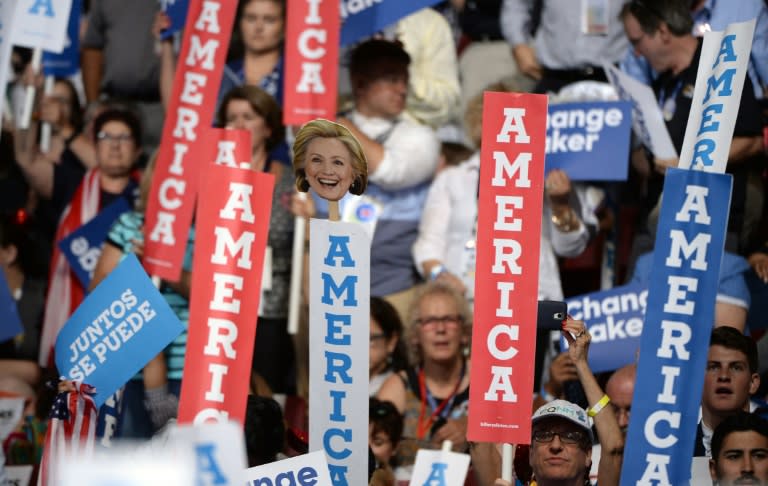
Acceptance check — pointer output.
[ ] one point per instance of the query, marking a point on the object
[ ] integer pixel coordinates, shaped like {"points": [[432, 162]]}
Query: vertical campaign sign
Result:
{"points": [[688, 253], [232, 223], [678, 323], [507, 269], [716, 98], [41, 24], [7, 12], [196, 86], [67, 62], [311, 66], [339, 295]]}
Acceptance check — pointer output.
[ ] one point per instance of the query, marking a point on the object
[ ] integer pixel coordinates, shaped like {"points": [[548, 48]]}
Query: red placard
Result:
{"points": [[226, 146], [196, 86], [311, 60], [507, 271], [232, 224]]}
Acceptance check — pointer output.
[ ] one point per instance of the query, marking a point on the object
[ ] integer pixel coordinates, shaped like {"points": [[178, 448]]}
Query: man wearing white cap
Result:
{"points": [[561, 435], [561, 449]]}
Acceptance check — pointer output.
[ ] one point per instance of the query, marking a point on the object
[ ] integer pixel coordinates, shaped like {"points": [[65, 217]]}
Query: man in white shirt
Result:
{"points": [[402, 158]]}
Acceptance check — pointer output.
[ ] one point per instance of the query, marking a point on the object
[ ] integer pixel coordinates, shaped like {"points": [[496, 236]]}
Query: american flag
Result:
{"points": [[71, 430]]}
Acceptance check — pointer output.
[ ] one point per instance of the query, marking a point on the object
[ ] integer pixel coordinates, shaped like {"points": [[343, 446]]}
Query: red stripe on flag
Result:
{"points": [[71, 429]]}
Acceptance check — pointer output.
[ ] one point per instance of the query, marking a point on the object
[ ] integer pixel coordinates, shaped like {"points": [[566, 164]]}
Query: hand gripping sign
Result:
{"points": [[232, 224], [196, 86], [506, 283]]}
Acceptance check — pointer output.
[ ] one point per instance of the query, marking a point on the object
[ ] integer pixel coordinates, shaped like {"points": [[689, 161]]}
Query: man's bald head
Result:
{"points": [[620, 388]]}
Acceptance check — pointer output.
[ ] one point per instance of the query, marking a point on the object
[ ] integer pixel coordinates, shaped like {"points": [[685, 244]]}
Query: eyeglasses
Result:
{"points": [[108, 137], [547, 436], [432, 321]]}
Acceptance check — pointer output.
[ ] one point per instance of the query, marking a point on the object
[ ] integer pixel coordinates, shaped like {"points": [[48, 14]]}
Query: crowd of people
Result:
{"points": [[413, 100]]}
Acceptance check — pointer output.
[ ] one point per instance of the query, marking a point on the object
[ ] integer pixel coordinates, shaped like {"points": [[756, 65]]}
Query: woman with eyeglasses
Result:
{"points": [[433, 394], [117, 136]]}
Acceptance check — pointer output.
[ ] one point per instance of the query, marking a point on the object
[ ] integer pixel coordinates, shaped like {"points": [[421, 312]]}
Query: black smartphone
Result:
{"points": [[551, 315]]}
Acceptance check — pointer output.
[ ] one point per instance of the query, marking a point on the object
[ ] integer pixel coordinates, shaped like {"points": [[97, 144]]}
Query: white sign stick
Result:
{"points": [[45, 130], [507, 461], [297, 267], [29, 96]]}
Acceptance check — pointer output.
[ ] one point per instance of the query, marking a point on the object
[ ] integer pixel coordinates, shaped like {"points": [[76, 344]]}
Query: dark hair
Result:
{"points": [[388, 319], [236, 45], [455, 153], [263, 104], [374, 59], [264, 430], [740, 422], [15, 229], [75, 110], [732, 338], [124, 115], [384, 417], [651, 13]]}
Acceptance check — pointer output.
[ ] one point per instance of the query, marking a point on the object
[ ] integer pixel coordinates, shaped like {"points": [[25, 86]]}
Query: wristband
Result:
{"points": [[596, 408], [436, 271]]}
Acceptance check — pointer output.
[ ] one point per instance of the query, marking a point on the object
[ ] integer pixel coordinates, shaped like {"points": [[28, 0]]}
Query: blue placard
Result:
{"points": [[119, 328], [362, 19], [678, 324], [82, 247], [614, 320], [10, 322], [177, 13], [589, 141], [67, 62]]}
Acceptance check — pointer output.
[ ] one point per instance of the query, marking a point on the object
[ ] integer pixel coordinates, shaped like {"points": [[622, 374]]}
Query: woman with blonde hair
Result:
{"points": [[433, 394]]}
